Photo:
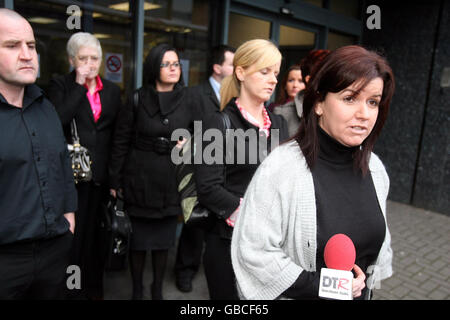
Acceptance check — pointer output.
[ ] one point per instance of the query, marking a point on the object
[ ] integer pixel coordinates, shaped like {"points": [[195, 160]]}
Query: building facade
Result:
{"points": [[415, 143], [127, 30]]}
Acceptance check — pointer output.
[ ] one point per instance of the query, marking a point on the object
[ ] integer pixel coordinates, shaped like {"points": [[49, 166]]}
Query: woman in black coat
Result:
{"points": [[141, 164], [94, 103], [256, 132]]}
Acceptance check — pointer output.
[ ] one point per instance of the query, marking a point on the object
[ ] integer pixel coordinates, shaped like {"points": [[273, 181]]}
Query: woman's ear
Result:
{"points": [[240, 73], [318, 109]]}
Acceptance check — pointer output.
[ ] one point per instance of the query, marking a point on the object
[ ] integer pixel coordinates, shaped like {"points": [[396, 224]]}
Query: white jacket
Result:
{"points": [[274, 238]]}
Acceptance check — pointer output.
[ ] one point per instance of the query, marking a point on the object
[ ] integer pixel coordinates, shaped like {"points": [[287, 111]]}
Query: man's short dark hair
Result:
{"points": [[218, 55]]}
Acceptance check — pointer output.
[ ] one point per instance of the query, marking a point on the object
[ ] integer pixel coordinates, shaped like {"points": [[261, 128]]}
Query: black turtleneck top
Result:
{"points": [[346, 203]]}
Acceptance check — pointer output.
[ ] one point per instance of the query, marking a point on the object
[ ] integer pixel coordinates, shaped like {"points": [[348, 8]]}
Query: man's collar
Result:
{"points": [[216, 86], [31, 93]]}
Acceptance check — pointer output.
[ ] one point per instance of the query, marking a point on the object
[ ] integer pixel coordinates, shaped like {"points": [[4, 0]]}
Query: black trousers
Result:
{"points": [[86, 250], [218, 268], [34, 269], [189, 252]]}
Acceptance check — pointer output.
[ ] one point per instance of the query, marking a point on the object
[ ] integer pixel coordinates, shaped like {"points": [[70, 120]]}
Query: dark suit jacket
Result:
{"points": [[205, 99], [70, 101]]}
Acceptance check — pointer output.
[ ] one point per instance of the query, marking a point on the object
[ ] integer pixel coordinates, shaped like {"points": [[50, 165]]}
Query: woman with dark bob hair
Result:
{"points": [[141, 163], [335, 184]]}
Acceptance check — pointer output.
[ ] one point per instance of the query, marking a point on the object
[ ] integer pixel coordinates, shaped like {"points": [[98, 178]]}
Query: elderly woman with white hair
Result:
{"points": [[94, 103]]}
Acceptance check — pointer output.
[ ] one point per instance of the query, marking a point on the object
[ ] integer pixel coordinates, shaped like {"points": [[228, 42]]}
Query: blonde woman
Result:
{"points": [[221, 186]]}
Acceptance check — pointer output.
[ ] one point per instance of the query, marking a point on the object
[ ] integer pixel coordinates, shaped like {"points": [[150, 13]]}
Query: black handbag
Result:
{"points": [[116, 235], [79, 155], [194, 213]]}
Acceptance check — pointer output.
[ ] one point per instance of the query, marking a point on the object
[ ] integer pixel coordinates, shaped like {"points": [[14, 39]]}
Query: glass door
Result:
{"points": [[294, 44], [243, 28]]}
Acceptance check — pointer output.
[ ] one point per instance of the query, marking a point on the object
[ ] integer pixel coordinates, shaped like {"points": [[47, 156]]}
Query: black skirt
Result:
{"points": [[153, 233]]}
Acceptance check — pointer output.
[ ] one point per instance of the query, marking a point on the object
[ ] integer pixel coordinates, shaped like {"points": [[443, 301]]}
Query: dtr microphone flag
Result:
{"points": [[336, 279]]}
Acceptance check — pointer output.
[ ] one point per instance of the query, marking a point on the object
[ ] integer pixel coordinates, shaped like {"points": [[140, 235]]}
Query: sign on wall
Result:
{"points": [[114, 67]]}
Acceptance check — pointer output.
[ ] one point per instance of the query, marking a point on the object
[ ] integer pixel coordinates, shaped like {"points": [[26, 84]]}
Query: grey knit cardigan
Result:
{"points": [[274, 238]]}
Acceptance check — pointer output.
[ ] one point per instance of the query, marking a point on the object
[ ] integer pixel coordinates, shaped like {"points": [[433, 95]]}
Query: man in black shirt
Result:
{"points": [[37, 193]]}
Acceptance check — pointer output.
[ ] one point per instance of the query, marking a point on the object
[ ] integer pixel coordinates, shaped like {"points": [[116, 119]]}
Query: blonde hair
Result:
{"points": [[256, 54]]}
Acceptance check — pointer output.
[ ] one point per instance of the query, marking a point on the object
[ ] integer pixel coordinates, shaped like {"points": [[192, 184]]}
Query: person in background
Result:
{"points": [[292, 109], [206, 97], [94, 103], [335, 184], [221, 185], [291, 84], [312, 59], [141, 163], [38, 197], [207, 94]]}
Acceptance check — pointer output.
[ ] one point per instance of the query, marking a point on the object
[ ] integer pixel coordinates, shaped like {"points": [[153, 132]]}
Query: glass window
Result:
{"points": [[184, 25], [181, 23], [49, 22], [346, 7], [49, 25], [296, 37], [115, 34], [318, 3], [336, 40], [294, 45], [243, 28]]}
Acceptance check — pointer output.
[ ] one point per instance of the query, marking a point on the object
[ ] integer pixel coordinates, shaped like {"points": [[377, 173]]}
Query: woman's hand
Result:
{"points": [[180, 143], [70, 216], [81, 74], [358, 283]]}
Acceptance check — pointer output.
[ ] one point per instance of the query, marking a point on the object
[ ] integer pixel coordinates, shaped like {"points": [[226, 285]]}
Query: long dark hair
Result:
{"points": [[282, 95], [337, 71], [152, 65]]}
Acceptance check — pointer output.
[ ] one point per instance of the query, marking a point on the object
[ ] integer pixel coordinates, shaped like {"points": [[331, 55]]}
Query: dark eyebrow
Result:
{"points": [[351, 91], [354, 92]]}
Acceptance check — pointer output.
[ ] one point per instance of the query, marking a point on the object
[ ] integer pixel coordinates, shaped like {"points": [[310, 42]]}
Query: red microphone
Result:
{"points": [[340, 253], [336, 279]]}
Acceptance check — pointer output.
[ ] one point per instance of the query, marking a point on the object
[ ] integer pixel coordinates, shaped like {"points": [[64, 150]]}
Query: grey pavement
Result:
{"points": [[421, 245]]}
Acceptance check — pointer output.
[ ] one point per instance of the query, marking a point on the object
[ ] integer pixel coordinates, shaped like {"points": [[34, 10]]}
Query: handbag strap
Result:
{"points": [[118, 201], [74, 132], [226, 125], [226, 121]]}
